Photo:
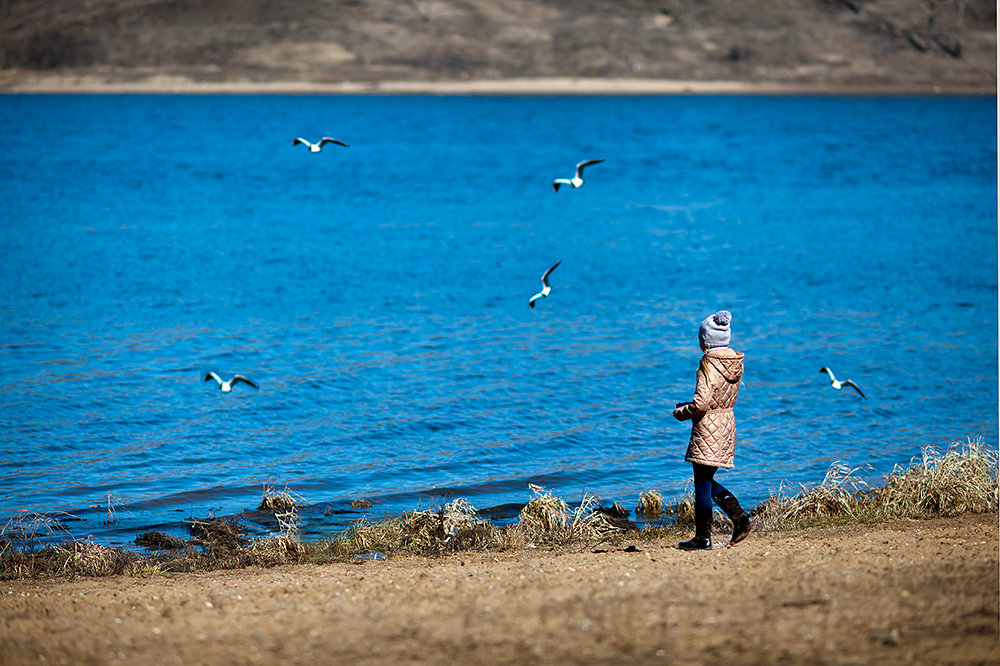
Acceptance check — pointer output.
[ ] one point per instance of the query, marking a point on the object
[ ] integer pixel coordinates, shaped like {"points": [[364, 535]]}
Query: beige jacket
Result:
{"points": [[713, 427]]}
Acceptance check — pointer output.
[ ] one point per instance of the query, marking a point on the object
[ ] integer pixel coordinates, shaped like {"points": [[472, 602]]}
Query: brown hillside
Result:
{"points": [[839, 43]]}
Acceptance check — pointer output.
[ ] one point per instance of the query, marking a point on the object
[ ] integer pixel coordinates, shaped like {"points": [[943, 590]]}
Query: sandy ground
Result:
{"points": [[14, 82], [922, 592]]}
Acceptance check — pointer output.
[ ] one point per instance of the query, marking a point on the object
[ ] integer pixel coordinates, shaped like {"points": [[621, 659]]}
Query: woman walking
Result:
{"points": [[713, 430]]}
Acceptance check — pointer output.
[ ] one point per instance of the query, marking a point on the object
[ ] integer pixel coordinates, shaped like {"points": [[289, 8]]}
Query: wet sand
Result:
{"points": [[923, 592]]}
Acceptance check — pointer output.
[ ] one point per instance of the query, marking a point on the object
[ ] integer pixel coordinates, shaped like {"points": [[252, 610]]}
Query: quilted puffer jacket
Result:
{"points": [[713, 427]]}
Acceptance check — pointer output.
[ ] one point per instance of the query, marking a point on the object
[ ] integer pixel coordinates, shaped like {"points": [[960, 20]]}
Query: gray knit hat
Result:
{"points": [[714, 331]]}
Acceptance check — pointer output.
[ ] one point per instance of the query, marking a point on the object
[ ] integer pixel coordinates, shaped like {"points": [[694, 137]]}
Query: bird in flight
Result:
{"points": [[546, 288], [577, 180], [226, 387], [318, 146], [841, 384]]}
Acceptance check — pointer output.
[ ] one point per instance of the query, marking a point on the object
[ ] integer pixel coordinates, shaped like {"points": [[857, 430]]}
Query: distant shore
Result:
{"points": [[170, 84]]}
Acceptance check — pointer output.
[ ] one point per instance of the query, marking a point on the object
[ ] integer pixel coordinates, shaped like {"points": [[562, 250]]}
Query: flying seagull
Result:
{"points": [[577, 180], [318, 146], [545, 286], [226, 387], [839, 385]]}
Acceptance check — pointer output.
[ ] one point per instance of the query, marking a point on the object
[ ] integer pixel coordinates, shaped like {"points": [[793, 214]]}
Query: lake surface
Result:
{"points": [[379, 295]]}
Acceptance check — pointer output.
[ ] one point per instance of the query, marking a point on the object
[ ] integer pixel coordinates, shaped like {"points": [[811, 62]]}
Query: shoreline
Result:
{"points": [[554, 86], [906, 591]]}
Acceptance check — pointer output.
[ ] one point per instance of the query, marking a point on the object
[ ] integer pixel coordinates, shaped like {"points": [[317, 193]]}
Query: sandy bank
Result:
{"points": [[921, 592], [160, 83]]}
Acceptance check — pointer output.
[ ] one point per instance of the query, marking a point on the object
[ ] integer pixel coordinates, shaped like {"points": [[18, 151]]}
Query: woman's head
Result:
{"points": [[714, 330]]}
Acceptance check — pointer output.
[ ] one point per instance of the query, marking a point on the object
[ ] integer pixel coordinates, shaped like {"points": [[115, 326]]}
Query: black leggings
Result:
{"points": [[705, 487]]}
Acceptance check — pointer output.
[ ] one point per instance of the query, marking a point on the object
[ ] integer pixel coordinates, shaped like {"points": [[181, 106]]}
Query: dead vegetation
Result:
{"points": [[73, 558], [549, 521], [29, 529], [961, 479], [650, 505], [453, 527], [154, 540], [281, 501]]}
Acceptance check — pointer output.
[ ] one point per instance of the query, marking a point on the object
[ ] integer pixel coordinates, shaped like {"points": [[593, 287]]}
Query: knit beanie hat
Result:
{"points": [[714, 331]]}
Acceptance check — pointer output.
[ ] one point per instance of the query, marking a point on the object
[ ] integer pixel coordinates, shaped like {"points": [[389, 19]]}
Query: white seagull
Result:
{"points": [[839, 385], [577, 180], [318, 146], [545, 286], [226, 387]]}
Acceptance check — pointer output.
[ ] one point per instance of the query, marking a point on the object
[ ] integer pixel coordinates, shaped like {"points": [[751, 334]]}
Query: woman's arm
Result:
{"points": [[702, 397]]}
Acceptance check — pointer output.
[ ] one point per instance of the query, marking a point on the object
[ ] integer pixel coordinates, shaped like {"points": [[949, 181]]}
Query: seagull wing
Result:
{"points": [[584, 164], [531, 303], [212, 375], [325, 140], [300, 140], [559, 181], [545, 275], [829, 372], [848, 382], [240, 378]]}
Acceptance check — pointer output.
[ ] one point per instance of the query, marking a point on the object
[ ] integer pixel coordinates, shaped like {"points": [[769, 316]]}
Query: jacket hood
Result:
{"points": [[727, 362]]}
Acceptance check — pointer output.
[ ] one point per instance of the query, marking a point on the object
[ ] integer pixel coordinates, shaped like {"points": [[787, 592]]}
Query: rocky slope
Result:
{"points": [[840, 43]]}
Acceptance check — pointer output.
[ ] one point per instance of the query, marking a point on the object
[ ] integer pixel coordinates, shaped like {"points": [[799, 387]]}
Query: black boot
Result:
{"points": [[702, 531], [741, 519]]}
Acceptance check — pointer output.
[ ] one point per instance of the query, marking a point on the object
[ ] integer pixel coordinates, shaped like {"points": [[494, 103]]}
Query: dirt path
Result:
{"points": [[921, 592]]}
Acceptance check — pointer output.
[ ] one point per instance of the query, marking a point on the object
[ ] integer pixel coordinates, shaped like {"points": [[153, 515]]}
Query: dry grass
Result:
{"points": [[455, 526], [650, 505], [31, 529], [280, 549], [281, 501], [112, 503], [285, 547], [74, 558], [961, 479], [91, 559], [681, 512], [837, 496], [218, 533], [549, 521], [154, 540]]}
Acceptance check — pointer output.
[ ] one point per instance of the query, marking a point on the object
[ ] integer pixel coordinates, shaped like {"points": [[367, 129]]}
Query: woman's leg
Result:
{"points": [[728, 503], [704, 485], [702, 509]]}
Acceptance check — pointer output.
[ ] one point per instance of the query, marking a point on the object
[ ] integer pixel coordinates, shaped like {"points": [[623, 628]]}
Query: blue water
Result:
{"points": [[379, 295]]}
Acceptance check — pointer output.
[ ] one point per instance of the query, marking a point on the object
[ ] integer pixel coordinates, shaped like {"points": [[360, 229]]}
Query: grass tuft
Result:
{"points": [[154, 540], [961, 479], [217, 533], [90, 559], [112, 504], [650, 505], [549, 521], [453, 527], [30, 529], [280, 501]]}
